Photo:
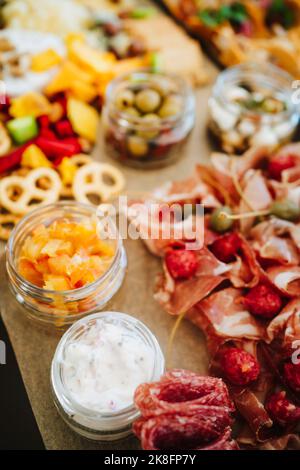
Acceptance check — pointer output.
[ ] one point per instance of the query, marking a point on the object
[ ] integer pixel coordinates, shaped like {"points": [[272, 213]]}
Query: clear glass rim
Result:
{"points": [[269, 74], [76, 294], [65, 399], [184, 90]]}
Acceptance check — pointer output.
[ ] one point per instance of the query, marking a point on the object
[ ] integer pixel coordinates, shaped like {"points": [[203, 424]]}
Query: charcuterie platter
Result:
{"points": [[146, 341]]}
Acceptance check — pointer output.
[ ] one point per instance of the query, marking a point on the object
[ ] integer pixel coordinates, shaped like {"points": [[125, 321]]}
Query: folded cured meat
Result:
{"points": [[184, 410]]}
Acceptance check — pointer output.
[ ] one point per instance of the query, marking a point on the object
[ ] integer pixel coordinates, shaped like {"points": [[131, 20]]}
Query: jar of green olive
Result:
{"points": [[147, 118]]}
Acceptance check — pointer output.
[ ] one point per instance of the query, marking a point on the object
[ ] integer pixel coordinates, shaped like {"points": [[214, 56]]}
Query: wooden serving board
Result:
{"points": [[34, 348]]}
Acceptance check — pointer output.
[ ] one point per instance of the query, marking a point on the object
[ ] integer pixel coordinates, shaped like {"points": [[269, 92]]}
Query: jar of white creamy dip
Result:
{"points": [[98, 364], [251, 105]]}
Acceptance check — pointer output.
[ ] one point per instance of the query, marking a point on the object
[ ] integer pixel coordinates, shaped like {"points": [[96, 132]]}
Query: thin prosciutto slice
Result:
{"points": [[286, 279], [228, 317], [223, 166], [257, 194], [286, 326], [277, 240], [180, 296], [245, 271]]}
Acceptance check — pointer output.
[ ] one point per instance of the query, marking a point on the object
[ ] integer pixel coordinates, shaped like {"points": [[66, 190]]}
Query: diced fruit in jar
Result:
{"points": [[65, 255]]}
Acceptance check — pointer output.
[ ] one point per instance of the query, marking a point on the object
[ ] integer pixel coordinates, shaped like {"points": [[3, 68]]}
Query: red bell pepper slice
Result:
{"points": [[54, 148], [13, 159]]}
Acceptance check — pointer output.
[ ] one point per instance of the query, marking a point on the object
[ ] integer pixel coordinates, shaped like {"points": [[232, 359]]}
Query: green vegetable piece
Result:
{"points": [[235, 13], [219, 222], [287, 210], [23, 129], [208, 18], [156, 62], [141, 13], [282, 13]]}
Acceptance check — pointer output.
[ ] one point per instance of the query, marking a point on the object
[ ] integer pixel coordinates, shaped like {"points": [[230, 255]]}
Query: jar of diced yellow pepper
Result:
{"points": [[59, 266]]}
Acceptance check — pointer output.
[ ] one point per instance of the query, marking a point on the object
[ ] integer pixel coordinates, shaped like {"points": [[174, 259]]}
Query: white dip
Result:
{"points": [[103, 366]]}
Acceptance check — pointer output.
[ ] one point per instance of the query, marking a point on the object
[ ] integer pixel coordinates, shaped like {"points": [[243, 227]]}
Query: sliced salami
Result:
{"points": [[186, 411]]}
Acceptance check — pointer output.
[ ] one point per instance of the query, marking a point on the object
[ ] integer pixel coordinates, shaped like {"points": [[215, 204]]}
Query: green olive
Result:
{"points": [[162, 85], [151, 122], [148, 100], [218, 220], [287, 210], [124, 99], [172, 106], [132, 111], [137, 146]]}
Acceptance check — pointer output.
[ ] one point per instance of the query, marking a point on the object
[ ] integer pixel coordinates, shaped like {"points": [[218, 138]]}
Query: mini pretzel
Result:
{"points": [[79, 160], [28, 186], [90, 180], [7, 223]]}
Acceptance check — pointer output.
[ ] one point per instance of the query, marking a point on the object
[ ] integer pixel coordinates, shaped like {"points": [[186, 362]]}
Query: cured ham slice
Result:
{"points": [[256, 194], [180, 296], [277, 240], [245, 271], [228, 317], [287, 280], [222, 166], [286, 325]]}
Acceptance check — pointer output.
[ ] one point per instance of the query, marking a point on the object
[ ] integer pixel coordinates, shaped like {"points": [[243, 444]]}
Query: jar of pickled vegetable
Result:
{"points": [[147, 118], [59, 267], [251, 105]]}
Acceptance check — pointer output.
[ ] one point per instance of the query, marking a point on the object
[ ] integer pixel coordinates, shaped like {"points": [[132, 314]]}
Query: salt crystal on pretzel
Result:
{"points": [[90, 180]]}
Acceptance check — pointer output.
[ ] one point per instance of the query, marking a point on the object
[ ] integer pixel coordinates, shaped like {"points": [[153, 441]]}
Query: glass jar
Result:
{"points": [[134, 140], [251, 105], [60, 309], [100, 426]]}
